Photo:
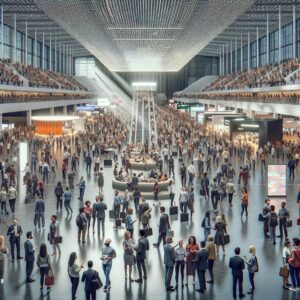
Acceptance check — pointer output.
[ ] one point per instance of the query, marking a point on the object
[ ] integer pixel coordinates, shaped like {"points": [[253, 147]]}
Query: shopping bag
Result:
{"points": [[284, 272], [289, 223], [49, 279], [173, 210], [58, 239], [226, 239]]}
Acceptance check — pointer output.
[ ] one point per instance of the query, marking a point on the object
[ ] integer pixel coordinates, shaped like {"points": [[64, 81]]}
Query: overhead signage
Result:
{"points": [[86, 108]]}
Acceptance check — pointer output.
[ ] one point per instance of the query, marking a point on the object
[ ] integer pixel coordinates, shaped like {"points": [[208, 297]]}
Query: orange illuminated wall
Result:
{"points": [[48, 127]]}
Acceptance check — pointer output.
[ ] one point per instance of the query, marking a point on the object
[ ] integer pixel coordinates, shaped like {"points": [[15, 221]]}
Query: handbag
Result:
{"points": [[148, 232], [97, 283], [184, 217], [118, 222], [298, 221], [58, 239], [49, 279], [111, 214], [284, 272], [261, 218], [173, 210], [289, 223], [227, 239], [122, 215]]}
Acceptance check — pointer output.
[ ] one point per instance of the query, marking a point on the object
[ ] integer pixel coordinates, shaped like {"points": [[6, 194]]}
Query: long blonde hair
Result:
{"points": [[1, 241]]}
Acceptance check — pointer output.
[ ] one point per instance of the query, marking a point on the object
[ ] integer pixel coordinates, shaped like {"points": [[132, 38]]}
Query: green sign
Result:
{"points": [[183, 106]]}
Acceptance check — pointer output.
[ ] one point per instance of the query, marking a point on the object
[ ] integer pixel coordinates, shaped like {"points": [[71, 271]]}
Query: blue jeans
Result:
{"points": [[294, 273], [106, 270], [81, 193]]}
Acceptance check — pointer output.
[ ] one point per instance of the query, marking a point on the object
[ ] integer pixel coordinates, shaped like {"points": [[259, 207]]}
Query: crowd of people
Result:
{"points": [[204, 157], [7, 76]]}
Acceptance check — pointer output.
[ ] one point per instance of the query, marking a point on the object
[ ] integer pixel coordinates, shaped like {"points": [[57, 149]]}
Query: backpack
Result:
{"points": [[79, 221]]}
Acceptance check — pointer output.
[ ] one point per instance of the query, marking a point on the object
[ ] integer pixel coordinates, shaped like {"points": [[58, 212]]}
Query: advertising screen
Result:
{"points": [[276, 180]]}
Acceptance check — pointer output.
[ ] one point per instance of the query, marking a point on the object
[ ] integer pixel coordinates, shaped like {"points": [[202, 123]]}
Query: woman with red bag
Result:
{"points": [[44, 263], [294, 265]]}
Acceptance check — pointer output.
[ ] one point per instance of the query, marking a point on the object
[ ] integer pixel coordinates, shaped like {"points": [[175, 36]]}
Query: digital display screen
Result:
{"points": [[276, 180]]}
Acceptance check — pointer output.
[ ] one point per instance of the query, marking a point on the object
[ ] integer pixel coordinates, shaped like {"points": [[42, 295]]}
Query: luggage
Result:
{"points": [[118, 222], [122, 215], [173, 210], [226, 239], [49, 279], [58, 239], [148, 232], [174, 153], [284, 272], [97, 283], [289, 223], [123, 220], [202, 192], [180, 159], [111, 214], [261, 218], [107, 162], [184, 217]]}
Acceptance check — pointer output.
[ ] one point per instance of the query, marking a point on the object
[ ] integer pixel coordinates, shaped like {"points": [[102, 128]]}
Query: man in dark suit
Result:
{"points": [[29, 256], [141, 249], [99, 208], [88, 277], [14, 232], [266, 213], [40, 212], [236, 263], [164, 227], [201, 261], [169, 261]]}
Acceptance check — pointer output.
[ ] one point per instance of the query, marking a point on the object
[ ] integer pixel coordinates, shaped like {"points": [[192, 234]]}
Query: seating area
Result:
{"points": [[7, 76], [269, 75]]}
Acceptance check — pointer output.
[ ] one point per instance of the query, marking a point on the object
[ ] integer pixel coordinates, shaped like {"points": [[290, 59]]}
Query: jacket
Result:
{"points": [[40, 206], [237, 265], [99, 210], [88, 277], [210, 246], [164, 224], [294, 261], [141, 249], [201, 259], [169, 255], [11, 232], [29, 251]]}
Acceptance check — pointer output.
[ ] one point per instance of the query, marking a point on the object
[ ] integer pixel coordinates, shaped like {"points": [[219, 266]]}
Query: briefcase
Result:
{"points": [[118, 222], [122, 215], [111, 214], [298, 221], [58, 239], [107, 162], [173, 210], [226, 239], [261, 218], [97, 283], [148, 232], [49, 279], [284, 272], [184, 217], [123, 220], [174, 153], [289, 223], [180, 159]]}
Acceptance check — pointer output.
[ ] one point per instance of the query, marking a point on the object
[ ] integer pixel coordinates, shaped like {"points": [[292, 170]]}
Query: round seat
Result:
{"points": [[143, 186]]}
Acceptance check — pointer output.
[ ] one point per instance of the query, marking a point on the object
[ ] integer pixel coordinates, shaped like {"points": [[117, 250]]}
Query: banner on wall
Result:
{"points": [[276, 180]]}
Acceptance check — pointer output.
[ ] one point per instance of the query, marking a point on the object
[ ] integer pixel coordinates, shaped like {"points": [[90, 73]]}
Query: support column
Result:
{"points": [[1, 118], [268, 46], [279, 35], [28, 117], [15, 39], [224, 59], [220, 62], [26, 43], [235, 57], [294, 31], [248, 50], [55, 56], [59, 61], [65, 111], [2, 33], [241, 52], [257, 48], [62, 59], [227, 58], [275, 116], [43, 53], [50, 54], [231, 56], [52, 111], [35, 49]]}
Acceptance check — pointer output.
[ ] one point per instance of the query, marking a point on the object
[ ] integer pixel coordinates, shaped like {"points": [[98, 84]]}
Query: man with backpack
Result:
{"points": [[81, 222]]}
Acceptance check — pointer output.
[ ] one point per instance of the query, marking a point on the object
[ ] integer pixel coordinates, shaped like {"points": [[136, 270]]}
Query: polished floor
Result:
{"points": [[243, 233]]}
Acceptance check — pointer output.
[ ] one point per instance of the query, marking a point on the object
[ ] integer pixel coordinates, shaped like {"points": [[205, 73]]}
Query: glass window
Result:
{"points": [[84, 66]]}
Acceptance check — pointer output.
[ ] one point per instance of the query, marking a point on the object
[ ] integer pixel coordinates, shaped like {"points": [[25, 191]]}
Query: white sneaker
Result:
{"points": [[292, 289], [2, 280]]}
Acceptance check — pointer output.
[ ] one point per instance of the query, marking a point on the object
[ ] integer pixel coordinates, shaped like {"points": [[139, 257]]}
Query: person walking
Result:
{"points": [[81, 222], [128, 247], [171, 189], [88, 161], [67, 200], [54, 231], [88, 210], [12, 196], [219, 235], [214, 194], [58, 191], [73, 271], [141, 249], [201, 266], [108, 254], [294, 264], [40, 213], [237, 265], [169, 262], [29, 256], [183, 199], [206, 225], [44, 263], [117, 205], [100, 180], [87, 277], [286, 254], [191, 248], [81, 186], [273, 223], [230, 191], [129, 222], [244, 202], [266, 215], [155, 192], [163, 228], [283, 215], [3, 252], [181, 254], [252, 265], [4, 198], [99, 210], [191, 171], [210, 246], [14, 232]]}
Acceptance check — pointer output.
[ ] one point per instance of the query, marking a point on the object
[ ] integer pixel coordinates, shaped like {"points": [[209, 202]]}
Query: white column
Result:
{"points": [[268, 48], [62, 59], [224, 59], [50, 54], [35, 49], [248, 50], [1, 118], [15, 39], [2, 33], [52, 111], [294, 31], [241, 52], [28, 117], [235, 57], [43, 53], [257, 48], [55, 57], [279, 35], [220, 62], [59, 56], [227, 58], [65, 110], [26, 43], [231, 57]]}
